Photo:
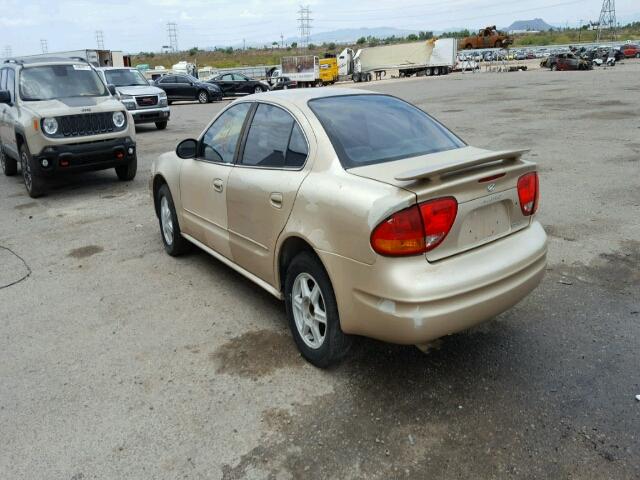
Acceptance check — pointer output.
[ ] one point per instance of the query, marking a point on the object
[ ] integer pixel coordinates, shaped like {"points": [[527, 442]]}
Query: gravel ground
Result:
{"points": [[118, 361]]}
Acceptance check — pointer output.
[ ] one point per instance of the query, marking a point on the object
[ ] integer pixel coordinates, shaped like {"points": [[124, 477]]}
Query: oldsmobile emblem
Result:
{"points": [[491, 187]]}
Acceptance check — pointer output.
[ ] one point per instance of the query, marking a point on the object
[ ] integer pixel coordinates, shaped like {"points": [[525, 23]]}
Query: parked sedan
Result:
{"points": [[630, 51], [568, 61], [284, 83], [238, 84], [186, 87], [360, 211]]}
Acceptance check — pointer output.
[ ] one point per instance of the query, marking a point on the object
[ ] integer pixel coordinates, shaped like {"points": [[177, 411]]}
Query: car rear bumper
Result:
{"points": [[412, 301], [151, 115], [86, 156]]}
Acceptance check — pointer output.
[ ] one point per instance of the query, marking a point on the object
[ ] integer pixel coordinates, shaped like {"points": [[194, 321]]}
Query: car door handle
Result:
{"points": [[276, 200], [218, 186]]}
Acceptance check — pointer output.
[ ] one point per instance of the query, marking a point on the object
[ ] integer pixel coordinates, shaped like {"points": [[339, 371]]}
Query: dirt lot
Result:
{"points": [[118, 361]]}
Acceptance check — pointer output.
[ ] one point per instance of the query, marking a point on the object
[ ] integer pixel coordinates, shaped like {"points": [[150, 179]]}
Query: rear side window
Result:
{"points": [[369, 129], [274, 140]]}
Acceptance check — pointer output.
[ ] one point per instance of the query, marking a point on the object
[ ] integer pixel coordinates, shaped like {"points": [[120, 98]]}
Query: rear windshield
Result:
{"points": [[60, 81], [368, 129]]}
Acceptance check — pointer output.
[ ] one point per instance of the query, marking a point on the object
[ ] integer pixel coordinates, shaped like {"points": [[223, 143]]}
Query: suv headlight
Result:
{"points": [[118, 119], [162, 99], [50, 126]]}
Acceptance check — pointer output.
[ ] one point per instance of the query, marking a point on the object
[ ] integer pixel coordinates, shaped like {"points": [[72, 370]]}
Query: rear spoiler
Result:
{"points": [[438, 170]]}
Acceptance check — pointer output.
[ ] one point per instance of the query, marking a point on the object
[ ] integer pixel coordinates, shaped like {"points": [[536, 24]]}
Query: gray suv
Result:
{"points": [[146, 103], [58, 116]]}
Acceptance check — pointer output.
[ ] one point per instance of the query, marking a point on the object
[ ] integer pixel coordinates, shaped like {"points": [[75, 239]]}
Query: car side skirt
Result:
{"points": [[261, 283]]}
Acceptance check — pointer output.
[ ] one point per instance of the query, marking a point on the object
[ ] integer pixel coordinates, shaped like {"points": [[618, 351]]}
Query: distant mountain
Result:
{"points": [[353, 34], [536, 24]]}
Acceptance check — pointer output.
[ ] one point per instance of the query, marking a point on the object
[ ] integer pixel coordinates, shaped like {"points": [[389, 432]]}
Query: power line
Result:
{"points": [[100, 39], [304, 25], [44, 46], [607, 20], [172, 33]]}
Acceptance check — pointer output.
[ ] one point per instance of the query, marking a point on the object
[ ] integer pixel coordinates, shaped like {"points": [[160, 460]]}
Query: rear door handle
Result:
{"points": [[218, 185], [276, 200]]}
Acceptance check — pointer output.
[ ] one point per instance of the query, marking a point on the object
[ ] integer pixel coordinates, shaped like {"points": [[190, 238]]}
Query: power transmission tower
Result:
{"points": [[7, 51], [44, 46], [607, 20], [172, 32], [100, 39], [304, 25]]}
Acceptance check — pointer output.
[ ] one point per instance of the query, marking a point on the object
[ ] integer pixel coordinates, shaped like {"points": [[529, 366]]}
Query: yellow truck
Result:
{"points": [[328, 71]]}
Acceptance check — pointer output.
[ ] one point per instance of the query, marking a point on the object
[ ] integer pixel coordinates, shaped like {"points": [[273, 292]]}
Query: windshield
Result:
{"points": [[60, 81], [368, 129], [125, 78]]}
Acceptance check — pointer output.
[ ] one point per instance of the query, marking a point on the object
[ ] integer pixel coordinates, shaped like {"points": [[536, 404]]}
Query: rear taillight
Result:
{"points": [[416, 229], [528, 191], [438, 217]]}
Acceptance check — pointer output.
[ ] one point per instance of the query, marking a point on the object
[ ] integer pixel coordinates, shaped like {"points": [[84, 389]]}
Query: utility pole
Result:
{"points": [[172, 32], [607, 20], [100, 39], [580, 30], [244, 45], [281, 40], [44, 46], [304, 25]]}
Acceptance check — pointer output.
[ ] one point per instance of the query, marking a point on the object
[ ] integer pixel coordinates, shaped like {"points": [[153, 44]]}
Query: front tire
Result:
{"points": [[312, 312], [161, 125], [203, 97], [35, 185], [9, 165], [174, 243], [258, 89], [127, 172]]}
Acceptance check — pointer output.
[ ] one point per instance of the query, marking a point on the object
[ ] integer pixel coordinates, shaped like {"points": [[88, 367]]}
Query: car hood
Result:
{"points": [[73, 106], [134, 90]]}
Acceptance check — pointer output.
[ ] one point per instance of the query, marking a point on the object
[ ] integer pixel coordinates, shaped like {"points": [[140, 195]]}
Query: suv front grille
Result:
{"points": [[86, 124], [147, 100]]}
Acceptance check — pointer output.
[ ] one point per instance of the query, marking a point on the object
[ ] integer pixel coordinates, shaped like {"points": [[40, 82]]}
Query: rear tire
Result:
{"points": [[173, 241], [161, 125], [312, 312], [127, 172], [35, 185], [258, 89], [9, 165]]}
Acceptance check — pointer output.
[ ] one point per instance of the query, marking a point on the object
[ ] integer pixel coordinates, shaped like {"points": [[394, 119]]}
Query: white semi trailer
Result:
{"points": [[431, 57]]}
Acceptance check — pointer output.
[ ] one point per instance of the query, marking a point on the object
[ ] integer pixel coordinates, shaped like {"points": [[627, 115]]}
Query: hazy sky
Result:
{"points": [[141, 25]]}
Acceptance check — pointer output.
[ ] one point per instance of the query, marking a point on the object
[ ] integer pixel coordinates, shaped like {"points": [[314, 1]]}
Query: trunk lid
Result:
{"points": [[483, 182]]}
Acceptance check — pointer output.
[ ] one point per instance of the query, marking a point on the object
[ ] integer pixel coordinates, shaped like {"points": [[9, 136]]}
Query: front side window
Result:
{"points": [[60, 81], [369, 129], [274, 140], [125, 78], [220, 140]]}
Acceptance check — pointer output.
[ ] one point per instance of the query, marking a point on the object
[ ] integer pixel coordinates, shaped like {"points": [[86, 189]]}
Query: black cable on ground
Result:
{"points": [[25, 264]]}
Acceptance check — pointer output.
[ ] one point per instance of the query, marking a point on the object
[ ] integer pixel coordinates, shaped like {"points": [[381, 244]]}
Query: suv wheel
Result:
{"points": [[128, 172], [33, 183], [258, 89], [174, 242], [313, 313], [161, 125], [203, 97], [9, 165]]}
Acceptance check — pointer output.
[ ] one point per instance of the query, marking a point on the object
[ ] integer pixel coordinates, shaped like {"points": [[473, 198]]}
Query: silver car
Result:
{"points": [[145, 102]]}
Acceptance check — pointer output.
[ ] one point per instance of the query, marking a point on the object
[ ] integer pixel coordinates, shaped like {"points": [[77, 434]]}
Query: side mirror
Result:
{"points": [[187, 148], [5, 97], [112, 89]]}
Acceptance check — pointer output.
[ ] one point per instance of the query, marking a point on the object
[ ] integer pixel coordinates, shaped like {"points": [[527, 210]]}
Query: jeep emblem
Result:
{"points": [[491, 187]]}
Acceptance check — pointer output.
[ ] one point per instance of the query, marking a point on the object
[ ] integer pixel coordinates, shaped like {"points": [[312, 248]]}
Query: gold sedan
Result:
{"points": [[360, 211]]}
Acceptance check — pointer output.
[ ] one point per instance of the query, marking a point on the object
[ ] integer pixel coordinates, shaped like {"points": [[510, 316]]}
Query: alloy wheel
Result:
{"points": [[258, 90], [203, 97], [26, 171], [167, 221], [309, 310]]}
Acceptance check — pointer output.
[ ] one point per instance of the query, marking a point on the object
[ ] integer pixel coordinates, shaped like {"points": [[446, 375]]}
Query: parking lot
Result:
{"points": [[118, 361]]}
